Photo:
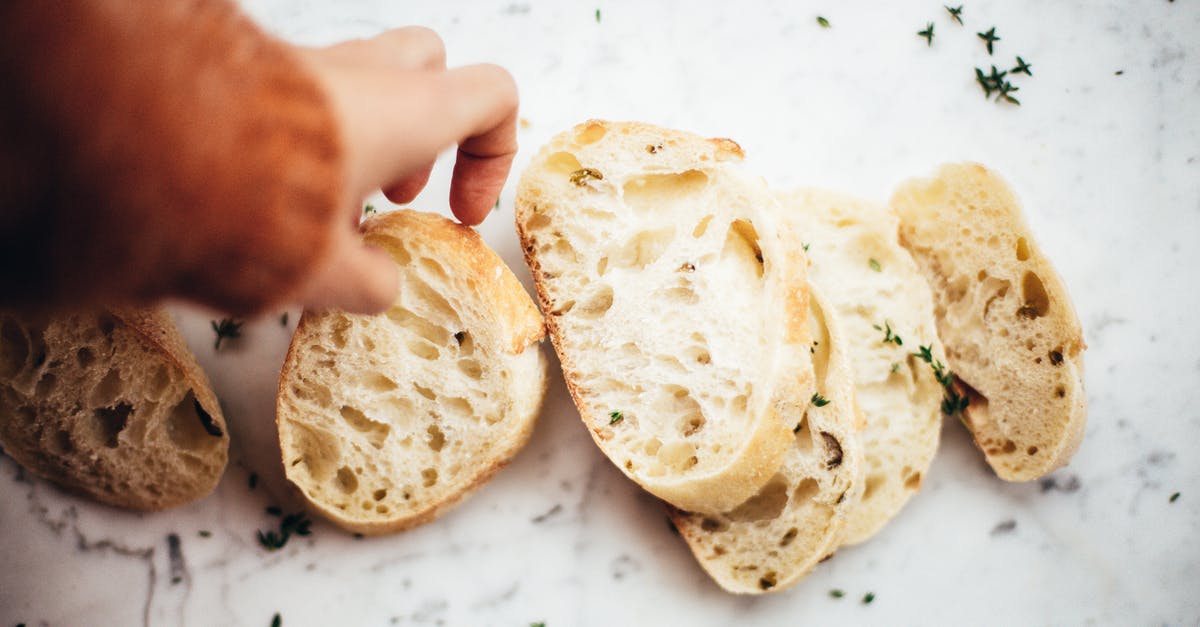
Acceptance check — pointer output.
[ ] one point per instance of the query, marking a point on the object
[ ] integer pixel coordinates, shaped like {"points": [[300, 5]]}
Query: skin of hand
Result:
{"points": [[397, 107]]}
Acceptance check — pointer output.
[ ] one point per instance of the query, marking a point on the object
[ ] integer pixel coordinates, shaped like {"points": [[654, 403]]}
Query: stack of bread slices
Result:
{"points": [[775, 366]]}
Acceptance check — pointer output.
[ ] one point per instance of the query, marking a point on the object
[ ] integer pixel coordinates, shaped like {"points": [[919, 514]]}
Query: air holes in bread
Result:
{"points": [[379, 495], [422, 327], [1037, 301], [768, 504], [429, 477], [741, 243], [789, 536], [652, 192], [436, 439], [563, 163], [471, 368], [713, 524], [833, 451], [187, 428], [874, 482], [591, 134], [597, 303], [346, 480], [1022, 249], [702, 227], [805, 490], [767, 581], [375, 432], [643, 249], [677, 456], [109, 422], [912, 481]]}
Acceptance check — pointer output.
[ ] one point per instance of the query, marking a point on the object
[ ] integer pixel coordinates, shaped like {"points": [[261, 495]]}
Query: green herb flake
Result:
{"points": [[226, 328], [496, 207], [836, 593], [824, 23], [1022, 67], [895, 367], [369, 210], [818, 400], [1174, 497], [614, 417], [989, 37], [283, 320], [597, 16], [276, 620], [204, 533], [874, 263], [538, 624], [927, 34], [582, 176], [955, 12], [868, 598], [806, 247], [293, 524], [888, 336]]}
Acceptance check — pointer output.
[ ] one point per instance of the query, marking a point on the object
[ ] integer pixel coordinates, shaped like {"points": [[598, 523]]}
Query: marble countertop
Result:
{"points": [[1105, 152]]}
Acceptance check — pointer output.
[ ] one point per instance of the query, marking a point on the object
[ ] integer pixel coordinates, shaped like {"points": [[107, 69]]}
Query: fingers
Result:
{"points": [[408, 187], [355, 278], [396, 118], [406, 48]]}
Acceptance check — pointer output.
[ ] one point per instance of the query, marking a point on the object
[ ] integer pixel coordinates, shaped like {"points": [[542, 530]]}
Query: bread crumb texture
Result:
{"points": [[111, 406], [1011, 333], [386, 420], [877, 290], [672, 298]]}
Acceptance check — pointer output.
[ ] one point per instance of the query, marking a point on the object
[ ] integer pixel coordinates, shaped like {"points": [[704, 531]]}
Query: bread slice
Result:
{"points": [[675, 298], [776, 537], [111, 405], [386, 421], [875, 287], [1011, 333]]}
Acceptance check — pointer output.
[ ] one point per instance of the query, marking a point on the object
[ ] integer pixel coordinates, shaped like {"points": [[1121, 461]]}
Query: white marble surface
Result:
{"points": [[1108, 166]]}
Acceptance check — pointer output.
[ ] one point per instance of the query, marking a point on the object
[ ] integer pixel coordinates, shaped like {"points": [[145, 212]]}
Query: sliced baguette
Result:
{"points": [[386, 421], [874, 285], [675, 298], [1011, 333], [776, 537], [111, 405]]}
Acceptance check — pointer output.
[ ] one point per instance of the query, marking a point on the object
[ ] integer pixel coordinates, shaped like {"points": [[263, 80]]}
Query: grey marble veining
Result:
{"points": [[1105, 154]]}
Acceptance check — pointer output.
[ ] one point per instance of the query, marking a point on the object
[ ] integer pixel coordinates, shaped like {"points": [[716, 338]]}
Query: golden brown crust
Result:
{"points": [[167, 148]]}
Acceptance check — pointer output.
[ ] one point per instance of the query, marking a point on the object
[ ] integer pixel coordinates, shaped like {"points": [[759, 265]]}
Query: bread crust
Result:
{"points": [[1012, 336], [516, 327]]}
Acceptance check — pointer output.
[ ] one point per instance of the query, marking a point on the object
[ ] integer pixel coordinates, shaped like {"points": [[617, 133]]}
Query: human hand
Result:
{"points": [[397, 106]]}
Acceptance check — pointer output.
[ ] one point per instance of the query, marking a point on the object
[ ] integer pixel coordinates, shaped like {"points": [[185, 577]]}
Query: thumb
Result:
{"points": [[354, 277]]}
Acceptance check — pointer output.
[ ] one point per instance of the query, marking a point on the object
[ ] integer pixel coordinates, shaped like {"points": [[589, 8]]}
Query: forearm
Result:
{"points": [[155, 149]]}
